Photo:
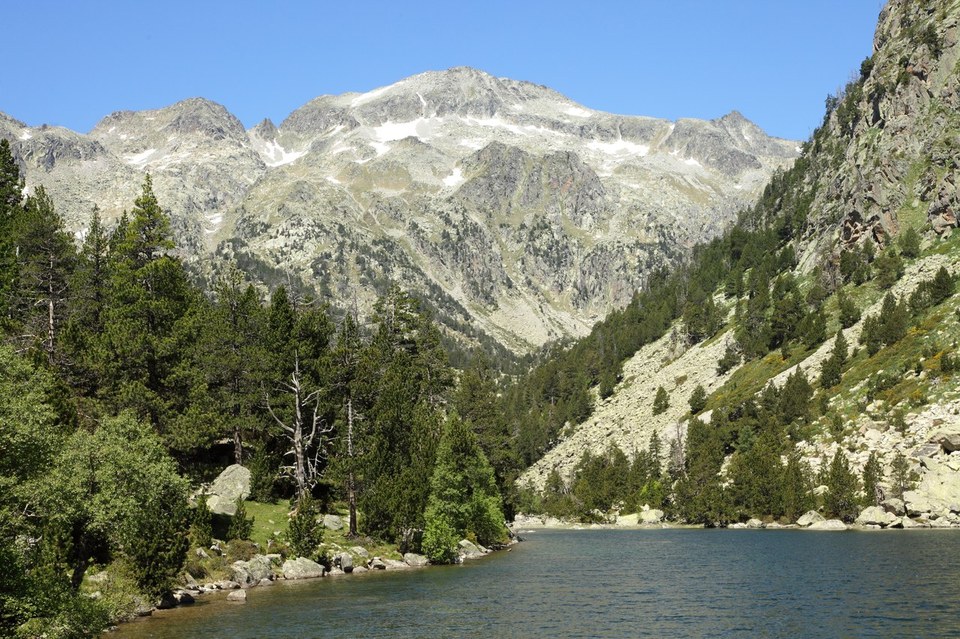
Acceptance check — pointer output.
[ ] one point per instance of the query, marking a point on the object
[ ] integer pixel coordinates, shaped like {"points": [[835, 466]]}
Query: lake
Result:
{"points": [[619, 583]]}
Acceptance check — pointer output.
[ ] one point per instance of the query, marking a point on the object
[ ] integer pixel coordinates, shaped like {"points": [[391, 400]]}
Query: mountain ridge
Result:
{"points": [[549, 199]]}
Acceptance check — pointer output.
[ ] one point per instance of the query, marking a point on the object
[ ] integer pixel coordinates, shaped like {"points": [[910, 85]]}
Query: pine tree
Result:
{"points": [[889, 268], [942, 286], [909, 243], [463, 500], [902, 476], [698, 400], [11, 199], [872, 473], [794, 402], [832, 368], [240, 525], [661, 402], [849, 313], [840, 500], [796, 495]]}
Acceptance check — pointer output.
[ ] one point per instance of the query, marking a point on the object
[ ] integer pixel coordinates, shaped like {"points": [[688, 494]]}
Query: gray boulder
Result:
{"points": [[377, 564], [333, 522], [238, 595], [754, 524], [393, 564], [232, 484], [874, 515], [809, 518], [345, 561], [916, 503], [828, 524], [415, 560], [359, 570], [302, 568], [894, 506], [469, 550], [652, 516], [948, 439], [250, 573]]}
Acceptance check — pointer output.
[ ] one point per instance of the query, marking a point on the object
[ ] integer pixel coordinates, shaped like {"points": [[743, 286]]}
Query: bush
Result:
{"points": [[305, 532], [240, 526], [661, 402]]}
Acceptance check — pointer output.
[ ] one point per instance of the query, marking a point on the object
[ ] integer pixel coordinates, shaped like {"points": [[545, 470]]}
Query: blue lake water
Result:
{"points": [[620, 583]]}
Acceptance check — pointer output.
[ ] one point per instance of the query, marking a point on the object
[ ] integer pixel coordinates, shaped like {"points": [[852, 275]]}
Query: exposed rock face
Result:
{"points": [[514, 209], [893, 146]]}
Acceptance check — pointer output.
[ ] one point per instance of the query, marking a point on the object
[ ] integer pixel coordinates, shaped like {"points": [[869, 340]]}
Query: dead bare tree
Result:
{"points": [[304, 432]]}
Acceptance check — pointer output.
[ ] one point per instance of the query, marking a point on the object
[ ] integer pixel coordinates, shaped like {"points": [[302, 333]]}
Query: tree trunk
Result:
{"points": [[351, 488]]}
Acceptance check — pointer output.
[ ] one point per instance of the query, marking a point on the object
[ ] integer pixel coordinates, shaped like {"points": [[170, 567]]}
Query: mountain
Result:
{"points": [[516, 212], [854, 240]]}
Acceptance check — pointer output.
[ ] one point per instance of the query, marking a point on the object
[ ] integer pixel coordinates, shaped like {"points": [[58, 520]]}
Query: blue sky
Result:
{"points": [[71, 63]]}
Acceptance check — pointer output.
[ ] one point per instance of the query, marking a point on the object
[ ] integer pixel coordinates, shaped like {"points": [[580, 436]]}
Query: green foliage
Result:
{"points": [[889, 268], [832, 368], [240, 525], [698, 400], [201, 523], [840, 500], [731, 358], [463, 494], [849, 312], [661, 402], [902, 475], [872, 474], [909, 243], [263, 475], [305, 532]]}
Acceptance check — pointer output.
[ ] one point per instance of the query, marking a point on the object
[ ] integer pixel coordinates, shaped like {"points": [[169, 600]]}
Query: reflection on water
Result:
{"points": [[620, 583]]}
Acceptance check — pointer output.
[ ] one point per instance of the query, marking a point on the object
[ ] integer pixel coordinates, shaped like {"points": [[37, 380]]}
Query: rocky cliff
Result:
{"points": [[515, 211]]}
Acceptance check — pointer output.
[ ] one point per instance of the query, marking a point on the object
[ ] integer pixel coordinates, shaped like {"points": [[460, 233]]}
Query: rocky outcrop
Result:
{"points": [[508, 205]]}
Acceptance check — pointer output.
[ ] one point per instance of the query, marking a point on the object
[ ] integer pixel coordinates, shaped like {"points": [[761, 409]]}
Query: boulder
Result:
{"points": [[377, 564], [894, 506], [250, 573], [302, 568], [345, 561], [415, 560], [809, 518], [359, 551], [183, 598], [238, 595], [754, 524], [359, 570], [628, 520], [652, 516], [948, 439], [469, 550], [232, 484], [828, 524], [906, 522], [916, 503], [875, 516], [333, 522], [393, 564]]}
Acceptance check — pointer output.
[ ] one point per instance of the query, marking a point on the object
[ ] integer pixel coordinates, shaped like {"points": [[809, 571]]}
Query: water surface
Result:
{"points": [[620, 583]]}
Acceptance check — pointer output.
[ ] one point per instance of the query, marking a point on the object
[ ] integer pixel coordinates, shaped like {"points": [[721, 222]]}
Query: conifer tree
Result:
{"points": [[872, 473], [661, 402], [698, 400], [840, 499], [909, 243], [849, 313], [832, 368]]}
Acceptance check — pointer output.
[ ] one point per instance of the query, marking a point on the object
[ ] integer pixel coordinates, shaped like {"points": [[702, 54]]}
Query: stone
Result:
{"points": [[948, 439], [377, 564], [232, 484], [754, 524], [359, 570], [345, 561], [652, 516], [917, 503], [301, 568], [875, 516], [393, 564], [184, 598], [250, 573], [628, 520], [809, 518], [359, 551], [906, 522], [265, 582], [415, 560], [469, 550], [828, 524], [238, 595], [894, 506], [332, 522], [167, 602]]}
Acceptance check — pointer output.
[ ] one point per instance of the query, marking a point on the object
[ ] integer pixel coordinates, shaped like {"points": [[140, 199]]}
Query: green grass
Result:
{"points": [[750, 378], [268, 519]]}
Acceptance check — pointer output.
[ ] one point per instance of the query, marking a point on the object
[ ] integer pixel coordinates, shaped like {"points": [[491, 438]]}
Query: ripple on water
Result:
{"points": [[618, 583]]}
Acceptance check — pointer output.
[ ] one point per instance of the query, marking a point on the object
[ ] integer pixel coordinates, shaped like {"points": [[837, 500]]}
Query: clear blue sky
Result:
{"points": [[72, 62]]}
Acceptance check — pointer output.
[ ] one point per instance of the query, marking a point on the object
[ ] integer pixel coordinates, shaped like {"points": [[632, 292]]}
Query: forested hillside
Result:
{"points": [[830, 307], [123, 386]]}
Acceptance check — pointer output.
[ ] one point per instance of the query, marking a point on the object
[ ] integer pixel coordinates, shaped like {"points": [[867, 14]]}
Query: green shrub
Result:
{"points": [[305, 532], [240, 525]]}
